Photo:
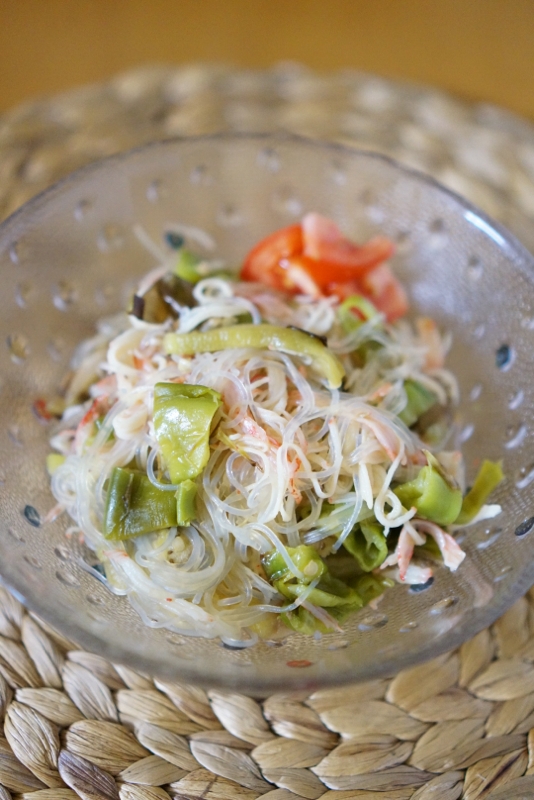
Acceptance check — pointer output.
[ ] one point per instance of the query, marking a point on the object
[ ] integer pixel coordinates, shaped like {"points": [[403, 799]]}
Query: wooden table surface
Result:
{"points": [[478, 49]]}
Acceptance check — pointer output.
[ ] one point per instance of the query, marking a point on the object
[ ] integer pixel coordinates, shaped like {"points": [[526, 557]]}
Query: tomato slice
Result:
{"points": [[343, 290], [315, 258], [369, 256], [321, 250], [299, 276], [262, 264], [386, 292], [337, 257]]}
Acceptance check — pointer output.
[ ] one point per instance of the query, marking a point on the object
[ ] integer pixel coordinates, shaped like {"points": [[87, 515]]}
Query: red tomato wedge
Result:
{"points": [[315, 258], [299, 273], [262, 264], [343, 260], [325, 271]]}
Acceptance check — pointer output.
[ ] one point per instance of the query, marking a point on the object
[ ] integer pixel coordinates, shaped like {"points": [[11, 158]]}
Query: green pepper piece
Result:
{"points": [[329, 593], [366, 310], [305, 558], [263, 337], [302, 621], [192, 269], [334, 516], [135, 506], [182, 418], [341, 613], [371, 586], [367, 543], [488, 478], [419, 401], [281, 586], [185, 502], [186, 266], [340, 599], [432, 493]]}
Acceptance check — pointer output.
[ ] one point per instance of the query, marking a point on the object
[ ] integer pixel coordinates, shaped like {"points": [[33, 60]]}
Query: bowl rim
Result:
{"points": [[117, 651]]}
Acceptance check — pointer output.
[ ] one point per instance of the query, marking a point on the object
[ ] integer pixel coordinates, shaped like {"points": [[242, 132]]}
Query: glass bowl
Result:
{"points": [[70, 256]]}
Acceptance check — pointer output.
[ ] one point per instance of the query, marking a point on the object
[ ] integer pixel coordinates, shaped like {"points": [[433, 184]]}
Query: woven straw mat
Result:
{"points": [[459, 726]]}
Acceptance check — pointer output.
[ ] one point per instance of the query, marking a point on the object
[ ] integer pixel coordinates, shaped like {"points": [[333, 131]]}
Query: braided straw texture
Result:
{"points": [[76, 725], [461, 726]]}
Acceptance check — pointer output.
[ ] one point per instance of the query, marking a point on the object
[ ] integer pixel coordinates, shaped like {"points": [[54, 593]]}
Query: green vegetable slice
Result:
{"points": [[302, 621], [350, 321], [264, 337], [488, 478], [334, 516], [135, 506], [432, 493], [367, 543], [419, 401], [370, 587], [186, 267], [182, 420], [329, 592], [305, 558], [185, 502]]}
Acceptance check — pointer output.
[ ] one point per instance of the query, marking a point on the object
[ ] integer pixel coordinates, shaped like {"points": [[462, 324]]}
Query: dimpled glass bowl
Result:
{"points": [[70, 256]]}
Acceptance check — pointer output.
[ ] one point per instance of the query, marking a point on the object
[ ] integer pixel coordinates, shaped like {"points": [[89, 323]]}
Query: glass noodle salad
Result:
{"points": [[254, 451]]}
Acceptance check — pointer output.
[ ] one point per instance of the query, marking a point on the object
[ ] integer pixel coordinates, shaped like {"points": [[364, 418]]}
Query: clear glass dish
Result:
{"points": [[70, 256]]}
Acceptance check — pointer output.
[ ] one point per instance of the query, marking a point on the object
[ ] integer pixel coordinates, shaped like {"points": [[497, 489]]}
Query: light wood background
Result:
{"points": [[479, 49]]}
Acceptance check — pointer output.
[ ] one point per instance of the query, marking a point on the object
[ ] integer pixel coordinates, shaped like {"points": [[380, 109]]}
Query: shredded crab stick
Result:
{"points": [[260, 450]]}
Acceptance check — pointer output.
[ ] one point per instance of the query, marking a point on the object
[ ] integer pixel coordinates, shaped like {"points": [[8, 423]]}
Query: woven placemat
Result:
{"points": [[459, 726]]}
